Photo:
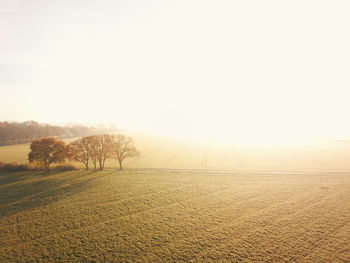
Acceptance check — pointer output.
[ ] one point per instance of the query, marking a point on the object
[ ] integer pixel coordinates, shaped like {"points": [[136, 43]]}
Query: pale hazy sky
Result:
{"points": [[235, 68]]}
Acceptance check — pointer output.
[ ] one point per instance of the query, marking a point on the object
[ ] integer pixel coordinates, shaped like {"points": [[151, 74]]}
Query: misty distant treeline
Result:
{"points": [[23, 132]]}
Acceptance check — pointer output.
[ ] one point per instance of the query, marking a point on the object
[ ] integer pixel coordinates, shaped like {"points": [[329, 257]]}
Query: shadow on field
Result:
{"points": [[27, 190]]}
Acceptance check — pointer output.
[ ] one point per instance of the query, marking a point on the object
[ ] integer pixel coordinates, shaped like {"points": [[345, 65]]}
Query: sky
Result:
{"points": [[247, 70]]}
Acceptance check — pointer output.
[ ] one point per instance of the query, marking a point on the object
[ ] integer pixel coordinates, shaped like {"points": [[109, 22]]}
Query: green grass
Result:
{"points": [[109, 216], [14, 153]]}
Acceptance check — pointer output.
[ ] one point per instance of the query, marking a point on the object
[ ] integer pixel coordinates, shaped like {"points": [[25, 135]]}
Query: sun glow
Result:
{"points": [[252, 72], [228, 127]]}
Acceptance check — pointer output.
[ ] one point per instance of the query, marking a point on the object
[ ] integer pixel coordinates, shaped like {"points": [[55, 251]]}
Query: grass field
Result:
{"points": [[183, 202], [154, 216]]}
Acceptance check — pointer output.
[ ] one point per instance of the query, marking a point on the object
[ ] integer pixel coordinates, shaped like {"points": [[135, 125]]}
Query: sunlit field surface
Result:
{"points": [[134, 216], [168, 153]]}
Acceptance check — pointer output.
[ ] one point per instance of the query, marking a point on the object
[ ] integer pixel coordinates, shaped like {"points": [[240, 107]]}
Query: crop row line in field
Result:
{"points": [[317, 244], [104, 203], [173, 156], [239, 158], [205, 156], [250, 233], [237, 172], [256, 214], [116, 218]]}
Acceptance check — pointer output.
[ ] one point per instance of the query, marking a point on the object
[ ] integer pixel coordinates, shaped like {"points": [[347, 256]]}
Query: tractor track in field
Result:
{"points": [[168, 161], [184, 215], [114, 219], [232, 171], [205, 156], [240, 160]]}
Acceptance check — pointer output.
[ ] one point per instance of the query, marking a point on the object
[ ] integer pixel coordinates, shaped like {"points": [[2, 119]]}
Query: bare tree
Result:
{"points": [[98, 148], [123, 147], [93, 150], [101, 148], [79, 151]]}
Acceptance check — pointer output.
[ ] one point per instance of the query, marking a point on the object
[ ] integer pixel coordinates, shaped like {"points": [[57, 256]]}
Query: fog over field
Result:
{"points": [[169, 153]]}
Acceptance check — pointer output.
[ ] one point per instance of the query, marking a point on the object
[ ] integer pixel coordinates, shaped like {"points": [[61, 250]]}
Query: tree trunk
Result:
{"points": [[103, 163], [47, 165], [120, 165]]}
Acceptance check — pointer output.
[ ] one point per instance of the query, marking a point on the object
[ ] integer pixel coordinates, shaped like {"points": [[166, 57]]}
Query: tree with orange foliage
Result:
{"points": [[47, 151]]}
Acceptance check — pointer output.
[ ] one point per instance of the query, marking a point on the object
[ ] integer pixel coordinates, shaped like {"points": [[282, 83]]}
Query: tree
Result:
{"points": [[79, 151], [46, 151], [101, 148], [92, 150], [15, 132], [123, 147]]}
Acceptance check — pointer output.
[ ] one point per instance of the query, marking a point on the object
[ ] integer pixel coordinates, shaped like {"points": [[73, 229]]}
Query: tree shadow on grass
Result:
{"points": [[29, 190]]}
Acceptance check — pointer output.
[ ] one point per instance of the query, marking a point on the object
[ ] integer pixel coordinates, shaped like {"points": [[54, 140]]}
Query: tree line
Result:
{"points": [[16, 132], [89, 150]]}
